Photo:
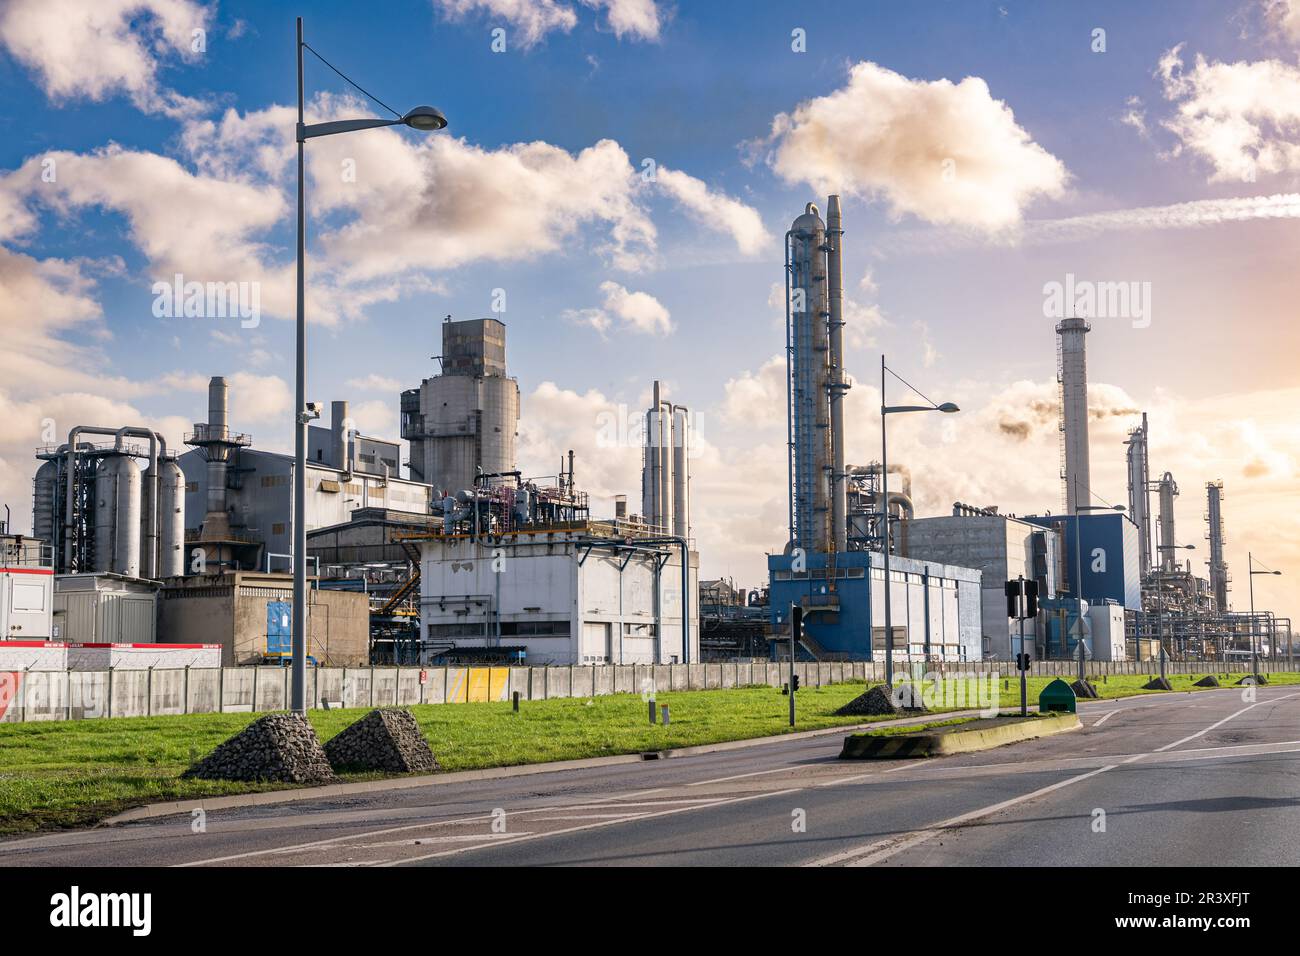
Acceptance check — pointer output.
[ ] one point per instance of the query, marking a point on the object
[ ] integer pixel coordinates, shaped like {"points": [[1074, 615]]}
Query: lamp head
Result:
{"points": [[426, 118]]}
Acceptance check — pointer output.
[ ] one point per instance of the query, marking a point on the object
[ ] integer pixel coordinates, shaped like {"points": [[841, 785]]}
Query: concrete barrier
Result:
{"points": [[959, 738], [64, 694]]}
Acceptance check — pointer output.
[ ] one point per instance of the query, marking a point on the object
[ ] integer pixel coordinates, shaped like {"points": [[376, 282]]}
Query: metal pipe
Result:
{"points": [[837, 386]]}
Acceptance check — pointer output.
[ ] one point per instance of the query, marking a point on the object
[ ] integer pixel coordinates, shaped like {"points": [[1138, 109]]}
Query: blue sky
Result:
{"points": [[955, 303]]}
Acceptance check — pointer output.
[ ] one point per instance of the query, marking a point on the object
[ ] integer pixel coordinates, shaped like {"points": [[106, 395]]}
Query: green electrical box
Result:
{"points": [[1058, 696]]}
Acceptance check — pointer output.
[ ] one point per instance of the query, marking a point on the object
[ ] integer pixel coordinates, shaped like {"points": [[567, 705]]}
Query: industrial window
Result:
{"points": [[191, 486], [277, 528], [535, 629], [27, 597]]}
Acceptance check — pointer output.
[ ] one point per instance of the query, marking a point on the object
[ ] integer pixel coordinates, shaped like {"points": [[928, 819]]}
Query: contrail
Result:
{"points": [[1183, 215], [1197, 213]]}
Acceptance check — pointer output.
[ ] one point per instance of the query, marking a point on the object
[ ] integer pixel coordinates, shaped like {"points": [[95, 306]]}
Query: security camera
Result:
{"points": [[309, 412]]}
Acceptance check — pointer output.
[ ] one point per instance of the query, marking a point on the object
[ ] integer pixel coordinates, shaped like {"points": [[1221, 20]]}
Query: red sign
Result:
{"points": [[424, 677]]}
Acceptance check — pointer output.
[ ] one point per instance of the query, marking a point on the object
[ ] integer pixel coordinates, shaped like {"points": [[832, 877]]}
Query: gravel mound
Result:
{"points": [[1083, 688], [1253, 679], [278, 747], [387, 740], [1159, 683], [883, 699], [1208, 681]]}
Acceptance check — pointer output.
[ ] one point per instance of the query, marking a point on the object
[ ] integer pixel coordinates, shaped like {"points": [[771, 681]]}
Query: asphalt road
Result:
{"points": [[1185, 779]]}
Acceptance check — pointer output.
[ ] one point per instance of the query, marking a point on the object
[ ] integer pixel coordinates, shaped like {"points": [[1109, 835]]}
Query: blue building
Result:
{"points": [[1102, 548], [935, 608]]}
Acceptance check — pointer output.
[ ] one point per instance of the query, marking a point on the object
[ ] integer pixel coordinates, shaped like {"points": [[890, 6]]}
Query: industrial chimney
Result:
{"points": [[1072, 374], [1218, 565], [1139, 492], [665, 472]]}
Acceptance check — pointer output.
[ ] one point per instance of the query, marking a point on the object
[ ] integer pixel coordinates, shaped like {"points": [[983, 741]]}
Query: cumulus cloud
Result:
{"points": [[637, 312], [945, 152], [639, 19], [375, 383], [97, 48], [534, 19], [716, 211], [1242, 118]]}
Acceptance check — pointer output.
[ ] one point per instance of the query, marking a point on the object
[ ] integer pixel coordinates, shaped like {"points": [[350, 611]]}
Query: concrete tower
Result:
{"points": [[465, 421], [1072, 374]]}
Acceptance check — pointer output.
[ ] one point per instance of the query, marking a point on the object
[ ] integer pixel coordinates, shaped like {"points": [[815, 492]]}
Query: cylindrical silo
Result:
{"points": [[47, 479], [681, 474], [1168, 531], [117, 516], [339, 435], [171, 519]]}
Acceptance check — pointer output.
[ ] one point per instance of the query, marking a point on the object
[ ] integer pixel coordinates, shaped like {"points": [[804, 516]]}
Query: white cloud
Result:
{"points": [[1242, 118], [534, 19], [639, 19], [946, 152], [716, 211], [637, 312], [1285, 15], [96, 48], [375, 383]]}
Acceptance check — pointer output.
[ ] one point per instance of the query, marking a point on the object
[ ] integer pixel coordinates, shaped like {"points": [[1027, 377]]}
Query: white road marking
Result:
{"points": [[1202, 733], [596, 825], [884, 849], [1105, 717]]}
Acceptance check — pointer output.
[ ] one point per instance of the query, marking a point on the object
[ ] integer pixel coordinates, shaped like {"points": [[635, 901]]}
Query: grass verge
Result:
{"points": [[59, 774]]}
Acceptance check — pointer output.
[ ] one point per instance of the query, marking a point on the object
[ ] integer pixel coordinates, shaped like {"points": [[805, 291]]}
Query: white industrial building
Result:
{"points": [[26, 589], [598, 594]]}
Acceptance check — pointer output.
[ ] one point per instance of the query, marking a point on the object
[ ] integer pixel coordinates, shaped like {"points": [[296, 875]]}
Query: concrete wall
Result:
{"points": [[64, 695]]}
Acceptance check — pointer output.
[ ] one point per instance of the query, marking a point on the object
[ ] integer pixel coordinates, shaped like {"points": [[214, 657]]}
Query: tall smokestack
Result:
{"points": [[219, 429], [835, 326], [1218, 566], [339, 436], [1072, 372], [1168, 532], [1139, 492]]}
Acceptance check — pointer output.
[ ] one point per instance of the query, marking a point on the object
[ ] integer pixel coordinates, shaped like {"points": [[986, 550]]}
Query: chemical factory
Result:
{"points": [[465, 558]]}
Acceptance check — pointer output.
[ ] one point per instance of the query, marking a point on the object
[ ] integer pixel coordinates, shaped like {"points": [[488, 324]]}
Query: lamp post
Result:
{"points": [[947, 408], [1254, 653], [427, 119]]}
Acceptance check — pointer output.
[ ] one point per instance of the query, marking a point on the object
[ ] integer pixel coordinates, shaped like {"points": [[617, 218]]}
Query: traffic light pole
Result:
{"points": [[796, 625], [1024, 690]]}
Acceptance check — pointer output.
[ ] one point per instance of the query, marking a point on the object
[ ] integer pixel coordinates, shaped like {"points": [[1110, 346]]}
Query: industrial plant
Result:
{"points": [[443, 551]]}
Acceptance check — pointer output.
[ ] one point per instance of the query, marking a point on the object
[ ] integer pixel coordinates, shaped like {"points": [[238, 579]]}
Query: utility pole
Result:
{"points": [[796, 629]]}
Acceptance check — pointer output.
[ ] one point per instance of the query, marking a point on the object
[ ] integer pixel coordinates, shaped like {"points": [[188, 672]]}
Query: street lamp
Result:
{"points": [[426, 119], [947, 408], [1254, 654]]}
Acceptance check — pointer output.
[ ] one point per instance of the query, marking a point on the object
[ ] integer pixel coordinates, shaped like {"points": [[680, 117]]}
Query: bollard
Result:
{"points": [[652, 710], [516, 701], [664, 710]]}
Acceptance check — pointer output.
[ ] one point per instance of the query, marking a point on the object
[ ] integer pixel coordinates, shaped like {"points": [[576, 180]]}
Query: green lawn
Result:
{"points": [[73, 773]]}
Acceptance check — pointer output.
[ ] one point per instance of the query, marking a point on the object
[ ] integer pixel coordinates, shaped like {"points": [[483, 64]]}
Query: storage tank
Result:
{"points": [[117, 516], [171, 519], [47, 486], [681, 474]]}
